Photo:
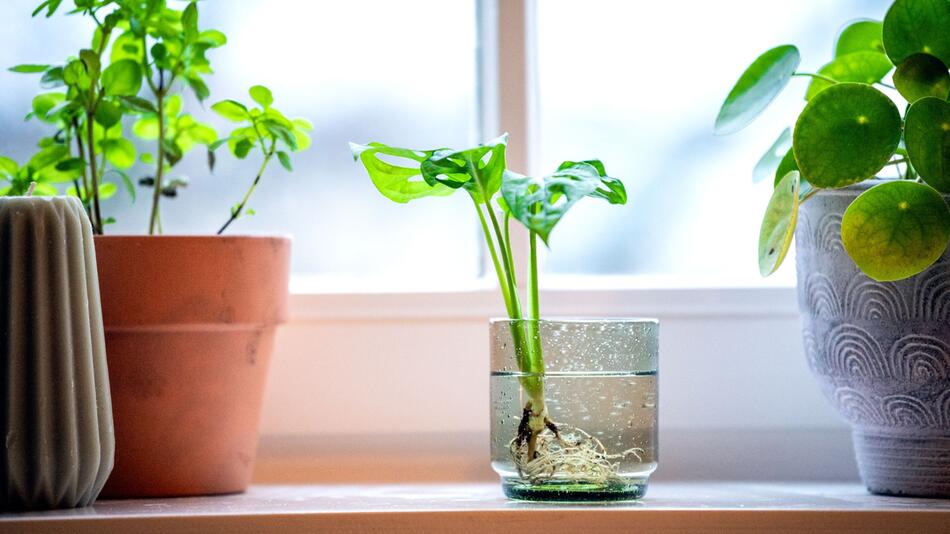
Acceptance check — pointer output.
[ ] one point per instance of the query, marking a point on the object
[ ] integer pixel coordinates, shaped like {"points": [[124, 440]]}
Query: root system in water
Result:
{"points": [[567, 454]]}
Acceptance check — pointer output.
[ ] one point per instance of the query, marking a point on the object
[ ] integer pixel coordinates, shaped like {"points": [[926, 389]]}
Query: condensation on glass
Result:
{"points": [[600, 389]]}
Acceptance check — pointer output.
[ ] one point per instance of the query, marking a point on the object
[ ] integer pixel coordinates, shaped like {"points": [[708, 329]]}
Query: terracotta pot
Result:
{"points": [[189, 328]]}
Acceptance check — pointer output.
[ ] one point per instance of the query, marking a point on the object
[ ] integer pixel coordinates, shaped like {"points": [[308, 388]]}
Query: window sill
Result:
{"points": [[669, 507]]}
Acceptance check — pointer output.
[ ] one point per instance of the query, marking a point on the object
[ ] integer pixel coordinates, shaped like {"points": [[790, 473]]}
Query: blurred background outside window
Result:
{"points": [[635, 84]]}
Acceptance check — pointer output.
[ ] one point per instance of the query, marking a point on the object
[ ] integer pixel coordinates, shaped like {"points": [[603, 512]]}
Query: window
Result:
{"points": [[358, 71], [639, 85]]}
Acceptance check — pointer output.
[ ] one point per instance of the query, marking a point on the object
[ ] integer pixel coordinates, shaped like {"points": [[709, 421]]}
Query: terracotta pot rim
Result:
{"points": [[195, 237]]}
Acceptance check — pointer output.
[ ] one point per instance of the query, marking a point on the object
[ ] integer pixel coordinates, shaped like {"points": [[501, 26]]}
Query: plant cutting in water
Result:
{"points": [[143, 56], [850, 130], [542, 448]]}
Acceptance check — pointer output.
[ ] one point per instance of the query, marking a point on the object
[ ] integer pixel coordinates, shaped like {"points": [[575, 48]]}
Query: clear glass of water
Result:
{"points": [[594, 435]]}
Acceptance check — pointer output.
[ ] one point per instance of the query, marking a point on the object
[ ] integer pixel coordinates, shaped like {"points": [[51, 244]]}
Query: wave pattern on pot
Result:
{"points": [[881, 352]]}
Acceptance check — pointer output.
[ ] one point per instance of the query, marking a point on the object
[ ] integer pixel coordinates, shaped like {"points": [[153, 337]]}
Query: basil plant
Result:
{"points": [[851, 129], [128, 84]]}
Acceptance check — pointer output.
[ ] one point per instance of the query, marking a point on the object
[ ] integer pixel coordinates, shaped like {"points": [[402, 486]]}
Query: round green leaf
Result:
{"points": [[861, 36], [107, 190], [119, 152], [927, 136], [108, 114], [124, 77], [896, 230], [770, 161], [262, 95], [860, 67], [778, 225], [846, 134], [917, 26], [922, 75], [756, 88]]}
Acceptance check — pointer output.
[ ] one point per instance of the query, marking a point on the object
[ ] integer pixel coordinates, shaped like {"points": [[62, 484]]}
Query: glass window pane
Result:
{"points": [[359, 72], [639, 84]]}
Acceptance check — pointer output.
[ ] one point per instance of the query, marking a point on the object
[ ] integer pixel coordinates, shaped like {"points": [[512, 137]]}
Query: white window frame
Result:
{"points": [[732, 367]]}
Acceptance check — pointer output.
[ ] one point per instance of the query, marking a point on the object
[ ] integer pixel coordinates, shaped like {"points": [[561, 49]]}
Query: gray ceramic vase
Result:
{"points": [[881, 352]]}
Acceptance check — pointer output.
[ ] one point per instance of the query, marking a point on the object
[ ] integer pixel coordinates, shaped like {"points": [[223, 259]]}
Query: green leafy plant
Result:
{"points": [[499, 195], [143, 56], [850, 130]]}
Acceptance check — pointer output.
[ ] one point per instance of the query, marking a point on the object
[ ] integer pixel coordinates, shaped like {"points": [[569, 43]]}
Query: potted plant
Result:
{"points": [[573, 401], [864, 191], [189, 320]]}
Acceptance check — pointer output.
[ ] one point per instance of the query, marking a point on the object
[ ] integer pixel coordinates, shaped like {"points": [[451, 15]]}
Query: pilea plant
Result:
{"points": [[143, 54], [850, 130], [498, 195]]}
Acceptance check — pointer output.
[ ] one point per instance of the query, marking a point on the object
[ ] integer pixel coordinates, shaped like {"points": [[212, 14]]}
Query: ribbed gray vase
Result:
{"points": [[56, 419], [881, 352]]}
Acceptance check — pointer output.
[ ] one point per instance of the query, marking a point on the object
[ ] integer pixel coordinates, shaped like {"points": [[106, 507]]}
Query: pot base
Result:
{"points": [[574, 492], [910, 466]]}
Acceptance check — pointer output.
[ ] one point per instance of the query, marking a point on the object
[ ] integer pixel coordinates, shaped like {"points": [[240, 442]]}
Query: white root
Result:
{"points": [[573, 456]]}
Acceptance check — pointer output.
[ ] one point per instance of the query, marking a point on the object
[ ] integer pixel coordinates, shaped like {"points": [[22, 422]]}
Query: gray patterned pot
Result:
{"points": [[881, 352]]}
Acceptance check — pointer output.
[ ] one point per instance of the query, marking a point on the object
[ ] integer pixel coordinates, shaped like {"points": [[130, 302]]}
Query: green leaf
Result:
{"points": [[50, 5], [43, 103], [917, 26], [896, 229], [757, 88], [91, 60], [861, 36], [119, 152], [771, 160], [199, 87], [213, 38], [202, 133], [859, 67], [610, 189], [123, 77], [189, 22], [146, 128], [778, 224], [787, 165], [285, 160], [173, 106], [127, 46], [48, 156], [147, 158], [262, 96], [846, 134], [52, 78], [478, 170], [927, 136], [107, 190], [44, 190], [29, 68], [539, 204], [241, 148], [129, 186], [399, 183], [138, 104], [231, 110], [920, 76], [108, 114], [8, 167]]}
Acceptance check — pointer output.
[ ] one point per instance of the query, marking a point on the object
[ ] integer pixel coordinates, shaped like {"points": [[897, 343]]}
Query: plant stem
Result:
{"points": [[506, 260], [816, 76], [94, 179], [154, 224], [84, 195], [494, 258], [534, 308], [236, 212]]}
